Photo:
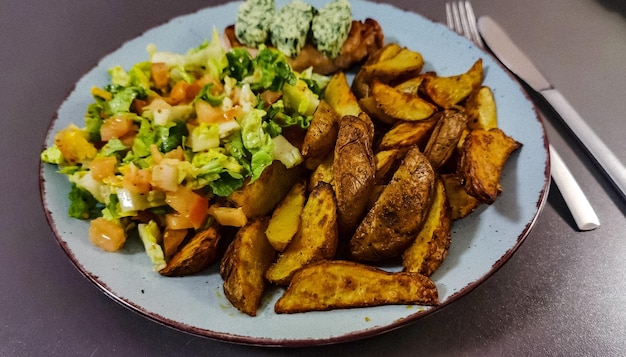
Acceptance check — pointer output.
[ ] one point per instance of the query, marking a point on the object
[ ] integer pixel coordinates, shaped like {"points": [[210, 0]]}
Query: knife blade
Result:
{"points": [[517, 62]]}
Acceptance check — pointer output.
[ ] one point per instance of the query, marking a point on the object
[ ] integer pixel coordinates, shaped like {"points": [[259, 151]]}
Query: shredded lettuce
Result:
{"points": [[112, 147], [82, 203], [205, 136], [150, 235], [52, 155]]}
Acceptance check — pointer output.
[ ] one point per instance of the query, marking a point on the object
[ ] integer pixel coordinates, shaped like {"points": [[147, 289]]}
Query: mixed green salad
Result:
{"points": [[169, 135]]}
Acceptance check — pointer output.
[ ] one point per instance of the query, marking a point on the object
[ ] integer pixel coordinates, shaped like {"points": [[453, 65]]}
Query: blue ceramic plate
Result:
{"points": [[481, 243]]}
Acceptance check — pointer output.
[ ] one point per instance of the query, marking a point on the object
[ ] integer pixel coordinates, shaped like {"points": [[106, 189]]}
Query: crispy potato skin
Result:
{"points": [[354, 170], [259, 198], [445, 137], [244, 264], [483, 157], [316, 240], [327, 285], [407, 133], [394, 221], [195, 255], [321, 136], [461, 202], [431, 245]]}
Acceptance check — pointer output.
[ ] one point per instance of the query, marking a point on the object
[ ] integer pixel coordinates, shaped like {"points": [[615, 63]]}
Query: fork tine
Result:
{"points": [[449, 16], [471, 20], [456, 16], [464, 21], [460, 18]]}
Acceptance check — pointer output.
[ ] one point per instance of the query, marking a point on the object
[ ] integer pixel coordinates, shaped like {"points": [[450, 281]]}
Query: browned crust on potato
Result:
{"points": [[430, 247], [321, 136], [483, 157], [244, 264], [394, 221], [260, 197], [316, 239], [445, 136], [354, 170], [461, 202], [327, 285], [196, 255]]}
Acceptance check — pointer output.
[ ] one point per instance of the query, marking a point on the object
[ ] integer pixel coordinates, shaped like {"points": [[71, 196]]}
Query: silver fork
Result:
{"points": [[461, 19]]}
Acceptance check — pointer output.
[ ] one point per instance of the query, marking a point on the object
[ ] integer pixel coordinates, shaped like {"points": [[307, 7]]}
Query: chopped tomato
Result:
{"points": [[177, 221], [106, 234], [103, 167], [178, 93], [160, 74], [115, 127], [189, 204]]}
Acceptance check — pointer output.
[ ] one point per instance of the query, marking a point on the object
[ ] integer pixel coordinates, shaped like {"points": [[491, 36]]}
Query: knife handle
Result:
{"points": [[598, 149]]}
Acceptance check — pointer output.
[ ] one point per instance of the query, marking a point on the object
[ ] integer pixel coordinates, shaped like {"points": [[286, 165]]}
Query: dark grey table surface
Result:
{"points": [[561, 294]]}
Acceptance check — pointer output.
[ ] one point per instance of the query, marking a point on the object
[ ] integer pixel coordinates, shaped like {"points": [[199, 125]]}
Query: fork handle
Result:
{"points": [[597, 148]]}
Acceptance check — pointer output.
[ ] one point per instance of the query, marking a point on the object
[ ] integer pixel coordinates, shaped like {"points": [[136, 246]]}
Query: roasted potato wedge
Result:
{"points": [[407, 133], [316, 240], [362, 81], [449, 91], [244, 264], [285, 220], [411, 85], [354, 170], [482, 159], [384, 162], [259, 198], [392, 64], [320, 138], [394, 221], [340, 97], [461, 202], [431, 245], [400, 105], [323, 172], [339, 284], [369, 106], [385, 53], [481, 109], [445, 136], [196, 255], [405, 63]]}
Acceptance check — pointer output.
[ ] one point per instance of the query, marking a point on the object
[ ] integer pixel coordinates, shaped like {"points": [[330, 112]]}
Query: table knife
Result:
{"points": [[517, 62]]}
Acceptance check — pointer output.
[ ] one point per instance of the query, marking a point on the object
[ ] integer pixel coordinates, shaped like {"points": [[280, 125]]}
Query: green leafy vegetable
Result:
{"points": [[82, 203]]}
